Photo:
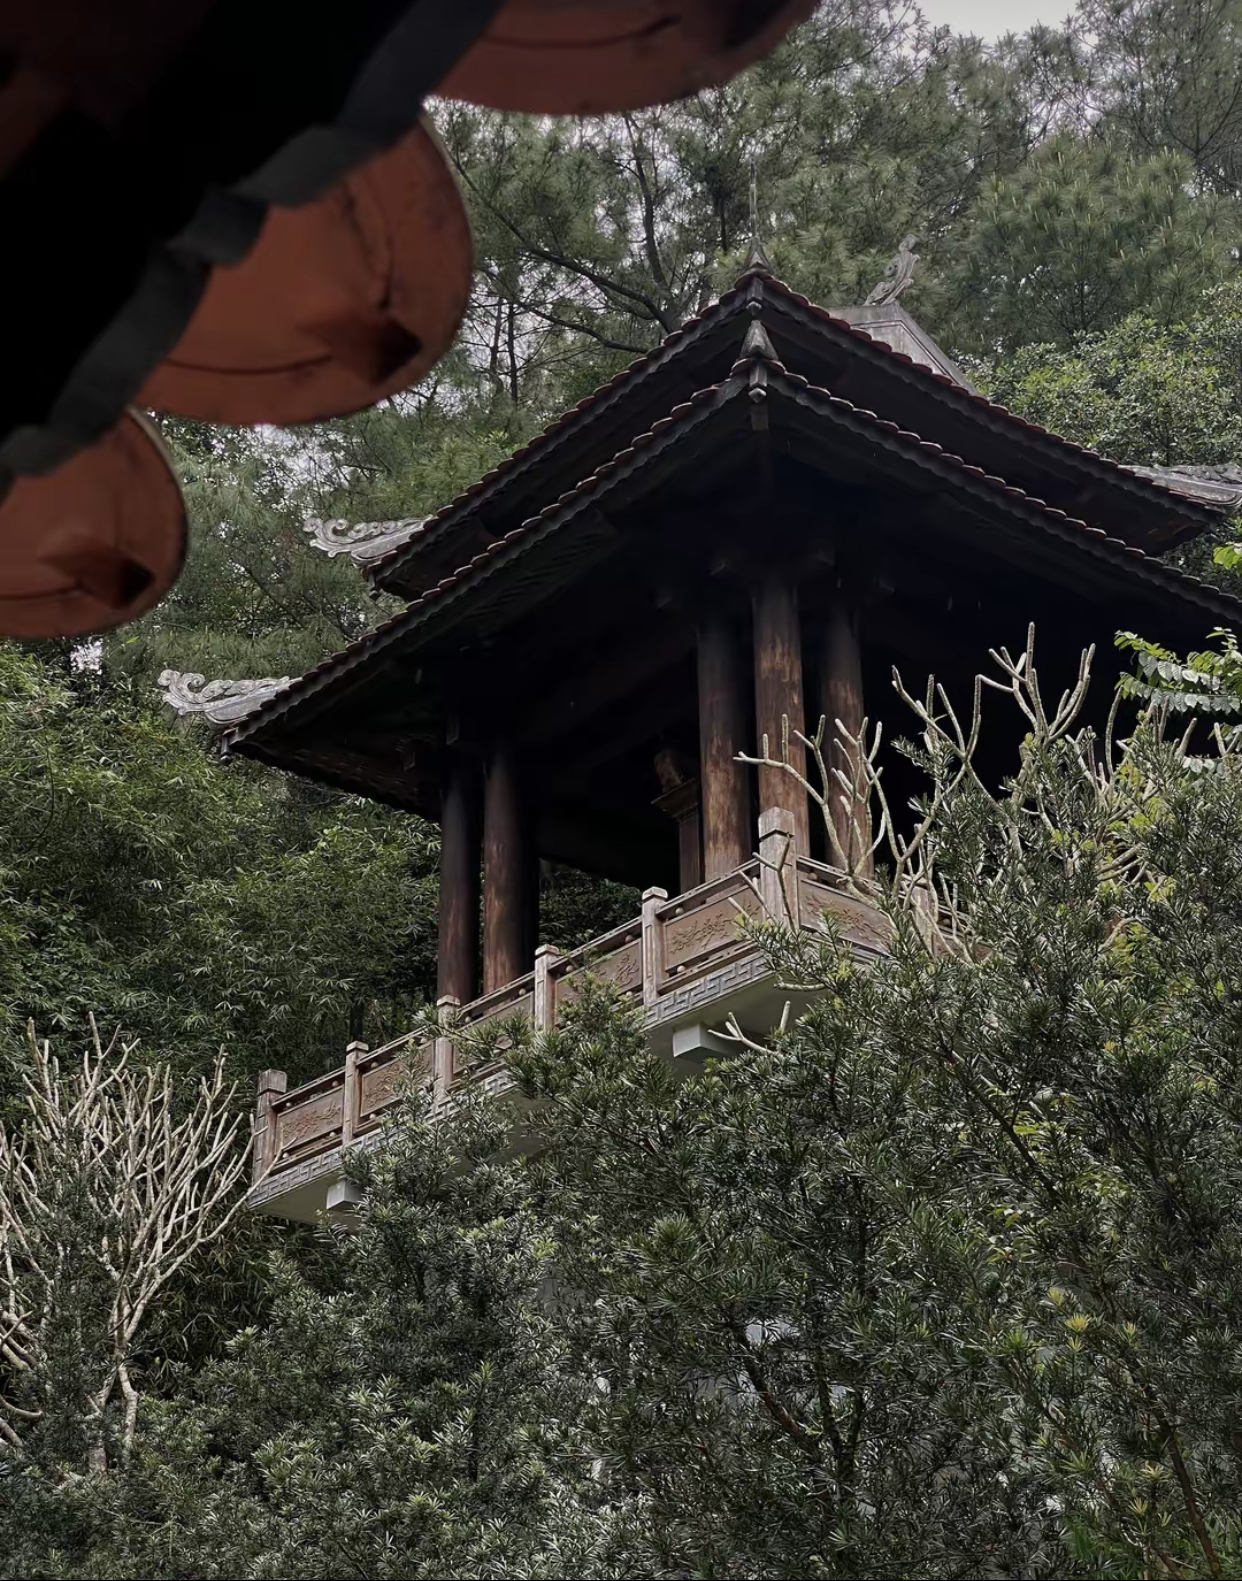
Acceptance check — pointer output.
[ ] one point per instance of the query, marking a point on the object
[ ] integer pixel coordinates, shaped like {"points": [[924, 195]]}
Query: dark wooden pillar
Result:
{"points": [[841, 697], [457, 971], [778, 694], [724, 785], [508, 874]]}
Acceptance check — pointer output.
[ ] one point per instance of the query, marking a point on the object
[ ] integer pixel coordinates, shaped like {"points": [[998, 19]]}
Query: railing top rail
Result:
{"points": [[701, 894], [310, 1089], [499, 996], [393, 1046], [616, 938]]}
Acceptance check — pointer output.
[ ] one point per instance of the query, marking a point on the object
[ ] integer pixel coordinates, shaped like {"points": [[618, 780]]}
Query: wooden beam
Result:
{"points": [[458, 956], [725, 783], [507, 874], [610, 681], [778, 695]]}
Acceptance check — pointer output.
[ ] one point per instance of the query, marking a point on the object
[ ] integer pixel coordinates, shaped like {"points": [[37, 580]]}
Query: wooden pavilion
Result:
{"points": [[754, 522]]}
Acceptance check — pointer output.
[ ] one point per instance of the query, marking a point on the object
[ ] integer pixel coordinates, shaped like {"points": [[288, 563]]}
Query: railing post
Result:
{"points": [[778, 866], [272, 1084], [351, 1093], [442, 1049], [546, 956], [653, 944]]}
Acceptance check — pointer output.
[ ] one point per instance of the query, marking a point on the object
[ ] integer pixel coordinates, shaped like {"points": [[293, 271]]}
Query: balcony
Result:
{"points": [[683, 960]]}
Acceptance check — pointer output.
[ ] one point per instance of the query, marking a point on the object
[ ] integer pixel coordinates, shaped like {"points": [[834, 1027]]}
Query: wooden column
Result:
{"points": [[841, 697], [679, 799], [724, 790], [457, 970], [507, 875], [778, 693]]}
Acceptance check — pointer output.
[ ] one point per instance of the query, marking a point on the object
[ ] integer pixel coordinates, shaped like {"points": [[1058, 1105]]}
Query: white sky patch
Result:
{"points": [[989, 19]]}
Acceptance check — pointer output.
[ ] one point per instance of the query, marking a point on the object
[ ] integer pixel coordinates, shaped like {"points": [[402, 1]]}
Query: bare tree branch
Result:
{"points": [[105, 1182]]}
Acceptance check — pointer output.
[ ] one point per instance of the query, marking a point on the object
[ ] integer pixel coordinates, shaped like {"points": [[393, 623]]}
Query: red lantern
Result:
{"points": [[590, 57], [340, 302], [94, 544]]}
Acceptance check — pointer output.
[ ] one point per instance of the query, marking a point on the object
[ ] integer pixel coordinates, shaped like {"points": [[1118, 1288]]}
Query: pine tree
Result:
{"points": [[1168, 75], [1078, 238]]}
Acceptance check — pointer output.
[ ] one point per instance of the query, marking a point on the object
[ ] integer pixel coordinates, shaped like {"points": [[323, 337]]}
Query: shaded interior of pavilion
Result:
{"points": [[604, 736]]}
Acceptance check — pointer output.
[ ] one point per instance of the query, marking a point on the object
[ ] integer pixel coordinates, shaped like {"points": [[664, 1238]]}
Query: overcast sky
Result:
{"points": [[991, 18]]}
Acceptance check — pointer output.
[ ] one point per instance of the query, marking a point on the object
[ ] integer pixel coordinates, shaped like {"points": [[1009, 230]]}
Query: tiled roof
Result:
{"points": [[993, 489], [1155, 489], [566, 421], [1146, 480], [502, 550], [1058, 522]]}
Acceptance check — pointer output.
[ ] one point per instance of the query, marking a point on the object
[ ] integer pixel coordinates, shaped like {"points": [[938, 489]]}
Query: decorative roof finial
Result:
{"points": [[897, 277], [220, 702], [756, 342], [363, 542], [757, 261]]}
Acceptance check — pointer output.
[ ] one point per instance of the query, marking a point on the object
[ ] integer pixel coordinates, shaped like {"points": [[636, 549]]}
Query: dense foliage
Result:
{"points": [[940, 1281], [199, 908], [1151, 390]]}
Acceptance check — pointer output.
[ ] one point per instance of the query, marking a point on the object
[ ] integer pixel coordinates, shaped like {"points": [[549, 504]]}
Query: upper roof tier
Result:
{"points": [[584, 557], [878, 358]]}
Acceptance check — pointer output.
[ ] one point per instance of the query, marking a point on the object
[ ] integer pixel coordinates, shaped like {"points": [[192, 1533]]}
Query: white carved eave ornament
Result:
{"points": [[363, 542], [219, 702]]}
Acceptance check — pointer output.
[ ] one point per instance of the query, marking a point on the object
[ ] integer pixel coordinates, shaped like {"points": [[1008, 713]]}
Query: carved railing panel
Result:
{"points": [[615, 958], [514, 999], [309, 1119], [381, 1076], [702, 926], [819, 891]]}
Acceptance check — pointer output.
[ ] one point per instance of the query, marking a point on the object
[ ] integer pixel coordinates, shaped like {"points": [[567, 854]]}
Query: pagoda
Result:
{"points": [[753, 524]]}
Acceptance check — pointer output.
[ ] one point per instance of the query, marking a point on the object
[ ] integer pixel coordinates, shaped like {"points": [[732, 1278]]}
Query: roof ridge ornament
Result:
{"points": [[1218, 484], [757, 261], [898, 277], [757, 343], [363, 542], [222, 702]]}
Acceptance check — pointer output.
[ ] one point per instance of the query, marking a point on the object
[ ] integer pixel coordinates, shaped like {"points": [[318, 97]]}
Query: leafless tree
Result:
{"points": [[109, 1186]]}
